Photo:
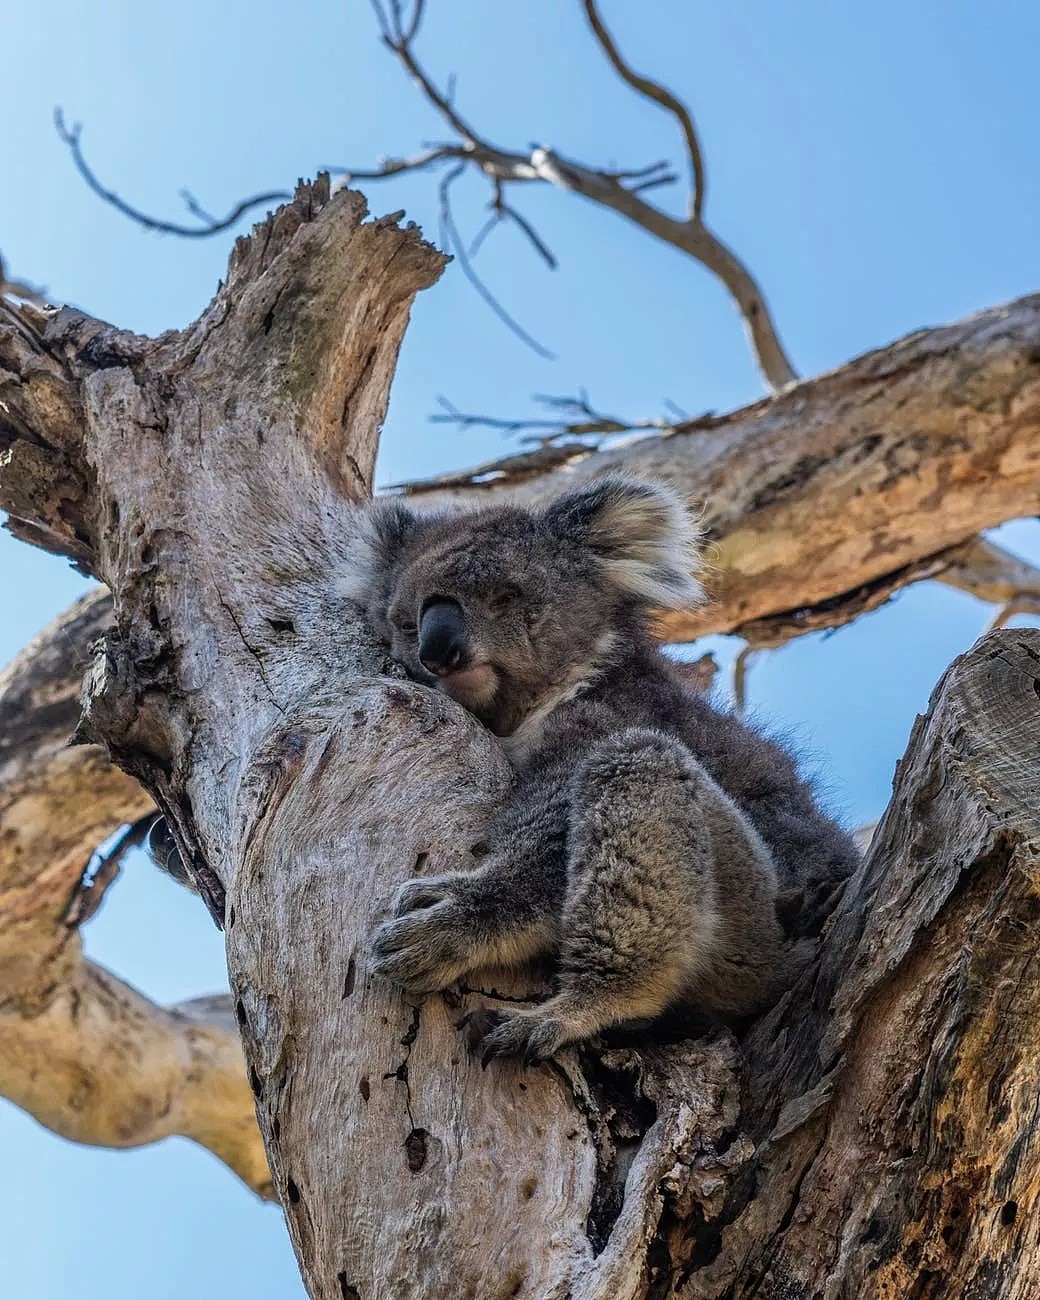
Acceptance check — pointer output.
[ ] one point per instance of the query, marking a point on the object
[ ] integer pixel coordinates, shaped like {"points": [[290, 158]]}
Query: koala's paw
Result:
{"points": [[532, 1034], [428, 944]]}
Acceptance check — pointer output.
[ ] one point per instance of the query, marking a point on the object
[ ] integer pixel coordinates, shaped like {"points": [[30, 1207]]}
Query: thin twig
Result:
{"points": [[660, 95], [534, 238], [478, 239], [400, 42], [576, 418], [617, 189], [500, 210], [390, 167], [453, 243], [196, 209], [71, 137]]}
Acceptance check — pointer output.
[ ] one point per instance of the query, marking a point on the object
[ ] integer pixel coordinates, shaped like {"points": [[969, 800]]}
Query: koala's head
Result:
{"points": [[501, 607]]}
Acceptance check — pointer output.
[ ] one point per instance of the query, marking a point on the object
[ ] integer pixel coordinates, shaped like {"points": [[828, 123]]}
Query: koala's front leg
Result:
{"points": [[662, 874], [503, 914]]}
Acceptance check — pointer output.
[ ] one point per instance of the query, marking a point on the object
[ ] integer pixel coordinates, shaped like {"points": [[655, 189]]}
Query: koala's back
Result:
{"points": [[642, 689]]}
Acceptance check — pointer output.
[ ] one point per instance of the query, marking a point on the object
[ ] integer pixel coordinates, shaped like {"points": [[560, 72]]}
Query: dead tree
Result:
{"points": [[874, 1134]]}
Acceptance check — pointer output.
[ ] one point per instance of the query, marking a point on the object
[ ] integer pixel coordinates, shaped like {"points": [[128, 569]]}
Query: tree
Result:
{"points": [[248, 700]]}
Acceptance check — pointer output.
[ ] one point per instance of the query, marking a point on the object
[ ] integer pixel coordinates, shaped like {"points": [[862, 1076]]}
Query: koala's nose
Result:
{"points": [[443, 644]]}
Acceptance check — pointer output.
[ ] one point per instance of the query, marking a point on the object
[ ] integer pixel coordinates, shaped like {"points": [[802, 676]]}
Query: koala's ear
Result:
{"points": [[643, 535], [384, 529]]}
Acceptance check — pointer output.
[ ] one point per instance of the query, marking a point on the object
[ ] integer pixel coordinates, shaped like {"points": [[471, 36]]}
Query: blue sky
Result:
{"points": [[877, 165]]}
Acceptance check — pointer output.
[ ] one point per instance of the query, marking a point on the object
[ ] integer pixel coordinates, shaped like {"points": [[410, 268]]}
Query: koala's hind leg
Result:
{"points": [[641, 914]]}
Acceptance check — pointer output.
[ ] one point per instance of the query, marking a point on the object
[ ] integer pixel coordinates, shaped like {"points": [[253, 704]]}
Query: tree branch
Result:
{"points": [[452, 242], [620, 190], [576, 418], [991, 574], [921, 1016], [207, 226], [822, 502], [660, 95], [978, 567], [81, 1051]]}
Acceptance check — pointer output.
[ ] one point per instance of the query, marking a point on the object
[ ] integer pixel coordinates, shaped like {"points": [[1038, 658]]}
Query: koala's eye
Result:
{"points": [[504, 598], [403, 622]]}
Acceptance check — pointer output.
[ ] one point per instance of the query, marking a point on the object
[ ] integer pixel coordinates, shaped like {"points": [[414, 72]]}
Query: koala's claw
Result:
{"points": [[417, 894], [422, 950], [531, 1035]]}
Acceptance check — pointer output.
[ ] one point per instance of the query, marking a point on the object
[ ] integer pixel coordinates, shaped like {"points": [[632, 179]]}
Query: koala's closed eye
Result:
{"points": [[504, 598], [403, 621]]}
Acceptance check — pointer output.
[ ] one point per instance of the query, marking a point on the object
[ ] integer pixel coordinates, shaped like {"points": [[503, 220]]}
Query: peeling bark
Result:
{"points": [[874, 1126]]}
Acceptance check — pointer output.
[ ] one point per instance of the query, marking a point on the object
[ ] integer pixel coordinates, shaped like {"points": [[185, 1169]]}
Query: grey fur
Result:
{"points": [[650, 841]]}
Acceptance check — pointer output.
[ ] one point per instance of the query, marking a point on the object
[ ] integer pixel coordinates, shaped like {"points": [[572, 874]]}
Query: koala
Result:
{"points": [[650, 843]]}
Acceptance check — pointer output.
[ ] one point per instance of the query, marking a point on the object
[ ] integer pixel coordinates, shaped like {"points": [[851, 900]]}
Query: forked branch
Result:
{"points": [[660, 95], [207, 224], [620, 190]]}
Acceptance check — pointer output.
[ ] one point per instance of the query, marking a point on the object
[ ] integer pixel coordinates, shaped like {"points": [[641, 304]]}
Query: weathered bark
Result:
{"points": [[81, 1051], [893, 1096], [210, 484]]}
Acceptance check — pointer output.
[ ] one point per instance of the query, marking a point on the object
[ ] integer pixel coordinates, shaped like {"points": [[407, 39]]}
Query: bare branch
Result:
{"points": [[400, 42], [991, 574], [508, 470], [576, 418], [390, 167], [979, 567], [503, 209], [619, 190], [656, 92], [534, 238], [209, 225], [477, 243], [453, 242]]}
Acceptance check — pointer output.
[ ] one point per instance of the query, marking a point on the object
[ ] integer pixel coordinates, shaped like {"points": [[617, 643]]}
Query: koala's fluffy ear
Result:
{"points": [[643, 535], [384, 528]]}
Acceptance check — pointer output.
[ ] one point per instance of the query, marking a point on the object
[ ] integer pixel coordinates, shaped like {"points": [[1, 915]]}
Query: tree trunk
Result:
{"points": [[874, 1131]]}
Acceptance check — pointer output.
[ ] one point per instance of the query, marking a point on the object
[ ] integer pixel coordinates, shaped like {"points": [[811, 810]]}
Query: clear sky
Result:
{"points": [[878, 166]]}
